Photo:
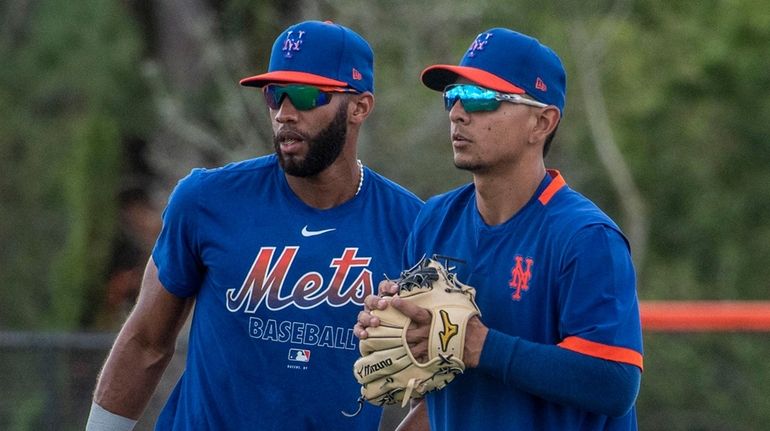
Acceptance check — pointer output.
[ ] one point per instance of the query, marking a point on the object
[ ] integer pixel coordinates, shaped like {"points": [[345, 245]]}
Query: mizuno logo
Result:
{"points": [[308, 233], [450, 330], [369, 369]]}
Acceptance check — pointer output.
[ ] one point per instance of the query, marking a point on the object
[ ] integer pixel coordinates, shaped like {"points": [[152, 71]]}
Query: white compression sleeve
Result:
{"points": [[101, 420]]}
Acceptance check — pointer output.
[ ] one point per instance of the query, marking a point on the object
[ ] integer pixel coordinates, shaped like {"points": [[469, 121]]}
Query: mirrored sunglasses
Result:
{"points": [[479, 99], [303, 97]]}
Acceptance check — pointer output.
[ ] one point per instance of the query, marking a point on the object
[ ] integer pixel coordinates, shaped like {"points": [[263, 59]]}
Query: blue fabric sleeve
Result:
{"points": [[560, 375], [176, 252], [597, 290]]}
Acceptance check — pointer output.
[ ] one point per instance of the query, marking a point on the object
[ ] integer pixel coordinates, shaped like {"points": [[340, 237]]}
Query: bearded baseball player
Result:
{"points": [[275, 256]]}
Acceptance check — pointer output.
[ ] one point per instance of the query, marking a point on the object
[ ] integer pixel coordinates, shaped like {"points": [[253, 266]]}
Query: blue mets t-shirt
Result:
{"points": [[278, 286], [559, 272]]}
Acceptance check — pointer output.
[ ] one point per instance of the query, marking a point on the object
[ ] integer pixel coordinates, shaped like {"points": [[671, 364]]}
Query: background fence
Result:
{"points": [[46, 379]]}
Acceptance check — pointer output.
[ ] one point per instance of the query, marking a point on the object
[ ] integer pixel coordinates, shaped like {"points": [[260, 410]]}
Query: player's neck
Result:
{"points": [[499, 196], [337, 184]]}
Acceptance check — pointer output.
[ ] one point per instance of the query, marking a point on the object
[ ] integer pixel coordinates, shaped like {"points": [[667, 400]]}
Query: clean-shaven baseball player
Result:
{"points": [[275, 256], [559, 343]]}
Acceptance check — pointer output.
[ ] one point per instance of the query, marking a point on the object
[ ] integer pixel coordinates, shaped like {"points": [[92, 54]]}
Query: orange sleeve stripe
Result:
{"points": [[556, 184], [603, 351]]}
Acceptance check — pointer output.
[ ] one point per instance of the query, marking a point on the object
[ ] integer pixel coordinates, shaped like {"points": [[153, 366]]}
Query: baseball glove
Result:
{"points": [[387, 370]]}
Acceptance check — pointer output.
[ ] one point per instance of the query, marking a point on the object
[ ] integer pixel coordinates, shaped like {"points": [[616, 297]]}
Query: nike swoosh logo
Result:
{"points": [[308, 233]]}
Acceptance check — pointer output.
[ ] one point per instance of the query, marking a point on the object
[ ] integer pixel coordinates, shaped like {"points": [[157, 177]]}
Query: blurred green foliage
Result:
{"points": [[69, 94], [91, 184], [685, 87]]}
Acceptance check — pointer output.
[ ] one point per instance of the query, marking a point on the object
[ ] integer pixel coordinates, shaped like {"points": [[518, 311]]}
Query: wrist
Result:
{"points": [[102, 420], [475, 335]]}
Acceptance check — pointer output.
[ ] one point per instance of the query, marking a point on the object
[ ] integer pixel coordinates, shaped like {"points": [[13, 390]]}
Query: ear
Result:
{"points": [[547, 120], [359, 107]]}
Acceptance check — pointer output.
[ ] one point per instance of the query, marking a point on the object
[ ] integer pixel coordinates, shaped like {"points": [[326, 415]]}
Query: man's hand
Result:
{"points": [[374, 302], [419, 329], [412, 342]]}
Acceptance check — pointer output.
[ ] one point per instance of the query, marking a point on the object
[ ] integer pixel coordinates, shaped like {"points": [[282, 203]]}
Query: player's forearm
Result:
{"points": [[143, 349], [130, 375], [417, 418], [475, 335], [560, 375]]}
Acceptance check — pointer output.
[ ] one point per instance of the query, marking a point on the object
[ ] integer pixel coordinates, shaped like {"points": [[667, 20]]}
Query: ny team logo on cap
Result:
{"points": [[291, 45], [479, 43]]}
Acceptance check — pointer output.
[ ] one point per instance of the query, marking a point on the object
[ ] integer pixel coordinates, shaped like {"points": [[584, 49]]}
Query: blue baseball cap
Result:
{"points": [[319, 53], [506, 61]]}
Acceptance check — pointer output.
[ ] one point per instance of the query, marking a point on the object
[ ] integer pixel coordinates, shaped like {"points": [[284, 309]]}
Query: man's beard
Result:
{"points": [[322, 150]]}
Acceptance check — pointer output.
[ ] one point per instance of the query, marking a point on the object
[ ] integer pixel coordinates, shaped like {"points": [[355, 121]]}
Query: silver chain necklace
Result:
{"points": [[360, 177]]}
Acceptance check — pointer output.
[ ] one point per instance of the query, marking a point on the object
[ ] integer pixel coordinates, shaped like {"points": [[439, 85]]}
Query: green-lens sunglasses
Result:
{"points": [[303, 97]]}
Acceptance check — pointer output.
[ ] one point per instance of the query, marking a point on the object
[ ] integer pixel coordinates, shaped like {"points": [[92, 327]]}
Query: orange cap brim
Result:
{"points": [[290, 77], [437, 77]]}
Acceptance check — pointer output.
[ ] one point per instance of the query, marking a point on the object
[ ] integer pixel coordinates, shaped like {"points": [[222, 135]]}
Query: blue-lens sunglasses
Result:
{"points": [[479, 99]]}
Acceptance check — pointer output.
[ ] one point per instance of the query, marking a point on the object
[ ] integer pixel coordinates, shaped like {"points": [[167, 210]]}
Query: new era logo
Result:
{"points": [[357, 75], [540, 85]]}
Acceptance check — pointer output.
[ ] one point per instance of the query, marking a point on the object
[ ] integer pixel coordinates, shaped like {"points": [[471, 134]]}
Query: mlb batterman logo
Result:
{"points": [[520, 275], [299, 355]]}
